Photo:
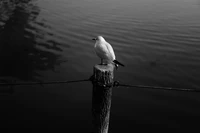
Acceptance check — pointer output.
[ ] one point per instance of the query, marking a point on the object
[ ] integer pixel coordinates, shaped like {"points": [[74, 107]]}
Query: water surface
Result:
{"points": [[47, 40]]}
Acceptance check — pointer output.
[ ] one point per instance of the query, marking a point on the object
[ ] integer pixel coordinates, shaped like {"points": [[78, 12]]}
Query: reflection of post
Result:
{"points": [[101, 99]]}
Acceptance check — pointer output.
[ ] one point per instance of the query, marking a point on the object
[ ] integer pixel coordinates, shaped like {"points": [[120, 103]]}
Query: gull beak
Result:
{"points": [[94, 39]]}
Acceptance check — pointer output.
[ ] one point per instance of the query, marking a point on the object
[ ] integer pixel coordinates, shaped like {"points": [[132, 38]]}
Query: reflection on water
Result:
{"points": [[24, 50]]}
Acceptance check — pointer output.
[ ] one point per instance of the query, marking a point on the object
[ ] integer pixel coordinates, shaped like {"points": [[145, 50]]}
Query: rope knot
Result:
{"points": [[116, 84]]}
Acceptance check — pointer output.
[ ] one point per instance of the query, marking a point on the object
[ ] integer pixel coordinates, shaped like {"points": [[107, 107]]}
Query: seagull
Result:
{"points": [[105, 52]]}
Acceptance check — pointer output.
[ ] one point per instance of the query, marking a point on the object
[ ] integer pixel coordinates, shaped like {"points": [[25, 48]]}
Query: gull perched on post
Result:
{"points": [[105, 51]]}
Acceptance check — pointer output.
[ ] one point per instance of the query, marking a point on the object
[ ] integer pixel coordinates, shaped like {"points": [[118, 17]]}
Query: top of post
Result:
{"points": [[104, 74], [108, 67]]}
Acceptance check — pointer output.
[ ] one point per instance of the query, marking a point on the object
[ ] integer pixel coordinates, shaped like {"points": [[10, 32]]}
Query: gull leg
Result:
{"points": [[101, 61]]}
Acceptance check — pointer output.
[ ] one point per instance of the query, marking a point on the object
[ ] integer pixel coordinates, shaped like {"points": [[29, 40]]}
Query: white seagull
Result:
{"points": [[105, 51]]}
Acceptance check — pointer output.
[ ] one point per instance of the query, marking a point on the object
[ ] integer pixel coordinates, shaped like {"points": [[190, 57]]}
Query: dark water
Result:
{"points": [[47, 40]]}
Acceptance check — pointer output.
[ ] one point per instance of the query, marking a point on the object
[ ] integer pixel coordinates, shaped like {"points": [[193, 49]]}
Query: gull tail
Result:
{"points": [[117, 62]]}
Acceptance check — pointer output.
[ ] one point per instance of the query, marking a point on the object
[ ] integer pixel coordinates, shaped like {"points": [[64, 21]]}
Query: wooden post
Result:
{"points": [[101, 98]]}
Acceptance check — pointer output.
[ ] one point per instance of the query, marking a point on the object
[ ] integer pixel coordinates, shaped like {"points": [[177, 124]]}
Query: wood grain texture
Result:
{"points": [[101, 100]]}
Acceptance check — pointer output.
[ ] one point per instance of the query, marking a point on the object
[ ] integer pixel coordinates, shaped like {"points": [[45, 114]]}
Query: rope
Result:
{"points": [[116, 83], [42, 83]]}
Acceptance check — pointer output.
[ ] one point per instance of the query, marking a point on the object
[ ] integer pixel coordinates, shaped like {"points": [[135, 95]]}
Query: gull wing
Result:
{"points": [[110, 50]]}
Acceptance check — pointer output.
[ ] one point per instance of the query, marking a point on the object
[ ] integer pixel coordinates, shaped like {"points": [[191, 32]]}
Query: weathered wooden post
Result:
{"points": [[101, 98]]}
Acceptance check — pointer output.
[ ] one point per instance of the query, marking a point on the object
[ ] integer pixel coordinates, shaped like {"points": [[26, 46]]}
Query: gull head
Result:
{"points": [[99, 38]]}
